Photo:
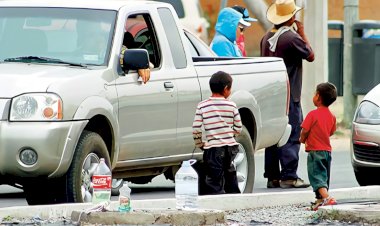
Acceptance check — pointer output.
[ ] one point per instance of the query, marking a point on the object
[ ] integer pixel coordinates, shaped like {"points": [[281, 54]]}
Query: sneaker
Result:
{"points": [[297, 183], [273, 184], [326, 202]]}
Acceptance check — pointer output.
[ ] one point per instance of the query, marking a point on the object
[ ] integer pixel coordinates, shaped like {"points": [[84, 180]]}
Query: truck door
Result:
{"points": [[186, 83], [147, 112]]}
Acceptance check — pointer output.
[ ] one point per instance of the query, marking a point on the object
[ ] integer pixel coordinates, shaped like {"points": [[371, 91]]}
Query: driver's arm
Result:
{"points": [[143, 73]]}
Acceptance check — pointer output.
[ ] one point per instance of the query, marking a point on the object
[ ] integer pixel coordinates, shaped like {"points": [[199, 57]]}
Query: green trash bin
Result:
{"points": [[335, 54], [365, 56]]}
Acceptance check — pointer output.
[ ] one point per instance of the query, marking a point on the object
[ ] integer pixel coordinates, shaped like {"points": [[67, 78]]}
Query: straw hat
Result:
{"points": [[281, 11]]}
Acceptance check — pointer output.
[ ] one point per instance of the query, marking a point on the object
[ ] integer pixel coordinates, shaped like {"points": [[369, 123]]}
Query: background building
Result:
{"points": [[368, 10]]}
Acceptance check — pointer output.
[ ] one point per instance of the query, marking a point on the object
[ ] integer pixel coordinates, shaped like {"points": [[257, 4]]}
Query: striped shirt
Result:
{"points": [[220, 119]]}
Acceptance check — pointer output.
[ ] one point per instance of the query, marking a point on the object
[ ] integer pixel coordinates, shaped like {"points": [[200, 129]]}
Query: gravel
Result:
{"points": [[280, 215]]}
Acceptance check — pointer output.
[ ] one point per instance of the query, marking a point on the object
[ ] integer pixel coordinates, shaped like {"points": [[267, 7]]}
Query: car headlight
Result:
{"points": [[36, 107], [368, 113]]}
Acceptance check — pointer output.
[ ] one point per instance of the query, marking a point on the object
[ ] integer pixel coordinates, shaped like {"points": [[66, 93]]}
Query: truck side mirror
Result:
{"points": [[135, 59]]}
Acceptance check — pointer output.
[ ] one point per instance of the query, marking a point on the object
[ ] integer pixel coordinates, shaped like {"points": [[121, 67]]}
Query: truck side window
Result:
{"points": [[174, 38], [140, 33]]}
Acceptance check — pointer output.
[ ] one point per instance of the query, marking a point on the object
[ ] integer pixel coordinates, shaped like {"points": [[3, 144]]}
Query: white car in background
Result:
{"points": [[365, 147], [191, 16]]}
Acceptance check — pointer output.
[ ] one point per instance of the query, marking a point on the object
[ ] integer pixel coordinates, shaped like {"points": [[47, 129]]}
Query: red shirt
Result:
{"points": [[321, 124]]}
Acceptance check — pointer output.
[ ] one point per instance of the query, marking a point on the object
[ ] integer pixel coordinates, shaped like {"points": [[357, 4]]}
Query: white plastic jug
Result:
{"points": [[186, 186]]}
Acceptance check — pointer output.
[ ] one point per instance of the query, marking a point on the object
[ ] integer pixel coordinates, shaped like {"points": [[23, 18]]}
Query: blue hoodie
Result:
{"points": [[224, 42]]}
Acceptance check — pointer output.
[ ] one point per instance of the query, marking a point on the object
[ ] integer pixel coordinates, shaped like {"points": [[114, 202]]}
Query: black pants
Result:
{"points": [[286, 155], [220, 173]]}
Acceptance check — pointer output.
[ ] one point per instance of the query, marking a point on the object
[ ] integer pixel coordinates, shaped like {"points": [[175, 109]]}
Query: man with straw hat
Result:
{"points": [[288, 41]]}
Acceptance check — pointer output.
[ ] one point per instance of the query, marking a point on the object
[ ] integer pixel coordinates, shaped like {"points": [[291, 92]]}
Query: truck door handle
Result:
{"points": [[168, 85]]}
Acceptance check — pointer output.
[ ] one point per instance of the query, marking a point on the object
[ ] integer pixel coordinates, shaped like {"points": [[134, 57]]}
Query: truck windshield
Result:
{"points": [[79, 36]]}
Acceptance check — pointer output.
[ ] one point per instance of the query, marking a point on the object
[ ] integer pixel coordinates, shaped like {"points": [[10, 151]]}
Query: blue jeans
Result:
{"points": [[286, 155]]}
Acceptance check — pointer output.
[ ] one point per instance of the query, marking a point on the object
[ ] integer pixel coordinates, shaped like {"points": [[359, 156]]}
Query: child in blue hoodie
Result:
{"points": [[227, 25]]}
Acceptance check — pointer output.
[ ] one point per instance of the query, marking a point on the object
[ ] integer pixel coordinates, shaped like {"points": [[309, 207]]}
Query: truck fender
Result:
{"points": [[97, 105], [245, 99]]}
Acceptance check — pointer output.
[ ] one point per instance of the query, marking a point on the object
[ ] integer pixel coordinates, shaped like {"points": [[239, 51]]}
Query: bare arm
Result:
{"points": [[197, 128], [304, 135], [144, 74], [301, 32]]}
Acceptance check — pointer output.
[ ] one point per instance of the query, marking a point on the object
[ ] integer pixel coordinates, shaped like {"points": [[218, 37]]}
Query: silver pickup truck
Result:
{"points": [[65, 100]]}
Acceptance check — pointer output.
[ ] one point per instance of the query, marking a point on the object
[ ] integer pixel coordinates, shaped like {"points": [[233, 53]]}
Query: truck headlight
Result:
{"points": [[36, 107], [368, 113]]}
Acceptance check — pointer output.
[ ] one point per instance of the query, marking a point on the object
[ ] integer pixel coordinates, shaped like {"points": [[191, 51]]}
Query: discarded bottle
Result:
{"points": [[125, 198], [101, 180], [186, 187]]}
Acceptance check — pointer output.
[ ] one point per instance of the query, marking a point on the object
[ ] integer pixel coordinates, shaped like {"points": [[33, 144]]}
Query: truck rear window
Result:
{"points": [[177, 5]]}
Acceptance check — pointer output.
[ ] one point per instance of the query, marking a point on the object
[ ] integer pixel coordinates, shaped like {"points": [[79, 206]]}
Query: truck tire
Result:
{"points": [[89, 150], [245, 162]]}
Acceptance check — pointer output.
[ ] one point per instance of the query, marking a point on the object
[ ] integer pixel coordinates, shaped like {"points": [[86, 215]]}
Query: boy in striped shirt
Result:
{"points": [[220, 120]]}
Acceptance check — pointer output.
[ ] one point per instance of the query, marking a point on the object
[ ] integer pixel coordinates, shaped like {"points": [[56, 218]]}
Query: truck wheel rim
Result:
{"points": [[89, 165], [241, 166]]}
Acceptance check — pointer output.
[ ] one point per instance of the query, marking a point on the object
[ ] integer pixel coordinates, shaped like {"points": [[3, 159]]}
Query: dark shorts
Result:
{"points": [[318, 169]]}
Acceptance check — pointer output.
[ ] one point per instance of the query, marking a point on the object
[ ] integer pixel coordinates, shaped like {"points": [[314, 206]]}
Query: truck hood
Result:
{"points": [[17, 78]]}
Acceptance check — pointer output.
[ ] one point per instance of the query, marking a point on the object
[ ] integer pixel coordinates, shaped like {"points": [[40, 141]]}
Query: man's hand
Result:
{"points": [[300, 28], [301, 32], [144, 74]]}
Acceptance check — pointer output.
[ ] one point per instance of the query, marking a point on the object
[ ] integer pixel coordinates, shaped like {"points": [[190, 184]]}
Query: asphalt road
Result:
{"points": [[342, 176]]}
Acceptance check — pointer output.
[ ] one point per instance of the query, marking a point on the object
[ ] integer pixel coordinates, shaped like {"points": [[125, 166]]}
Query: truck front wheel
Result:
{"points": [[89, 150]]}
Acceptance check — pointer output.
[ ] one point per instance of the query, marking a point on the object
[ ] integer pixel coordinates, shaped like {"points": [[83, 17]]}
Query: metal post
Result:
{"points": [[351, 16], [259, 9], [223, 4], [315, 22]]}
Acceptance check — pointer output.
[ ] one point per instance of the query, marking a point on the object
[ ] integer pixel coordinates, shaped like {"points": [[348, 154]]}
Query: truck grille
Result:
{"points": [[367, 153]]}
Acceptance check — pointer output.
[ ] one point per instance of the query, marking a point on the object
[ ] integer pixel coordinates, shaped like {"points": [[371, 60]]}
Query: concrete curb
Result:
{"points": [[152, 216], [354, 213], [220, 202]]}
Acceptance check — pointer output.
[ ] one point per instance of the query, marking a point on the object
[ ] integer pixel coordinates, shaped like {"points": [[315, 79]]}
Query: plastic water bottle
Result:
{"points": [[102, 183], [125, 198], [186, 187]]}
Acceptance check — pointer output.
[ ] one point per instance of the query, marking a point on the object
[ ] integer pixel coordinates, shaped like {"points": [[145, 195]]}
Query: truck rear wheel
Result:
{"points": [[89, 150], [245, 162]]}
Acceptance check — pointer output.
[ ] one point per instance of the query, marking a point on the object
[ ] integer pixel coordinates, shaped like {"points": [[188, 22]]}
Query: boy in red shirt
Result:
{"points": [[317, 128]]}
